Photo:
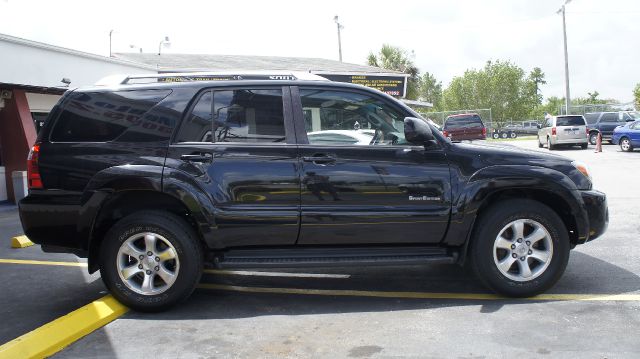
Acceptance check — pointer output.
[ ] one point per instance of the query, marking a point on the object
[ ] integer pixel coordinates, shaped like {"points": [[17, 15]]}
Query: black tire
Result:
{"points": [[513, 135], [488, 226], [540, 144], [504, 135], [625, 144], [187, 248], [584, 146], [495, 135], [593, 138], [549, 145]]}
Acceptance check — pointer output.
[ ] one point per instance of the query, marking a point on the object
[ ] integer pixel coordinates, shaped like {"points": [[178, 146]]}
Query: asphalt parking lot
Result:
{"points": [[420, 311]]}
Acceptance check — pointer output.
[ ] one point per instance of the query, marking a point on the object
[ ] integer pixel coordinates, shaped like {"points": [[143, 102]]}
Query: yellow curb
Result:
{"points": [[56, 335], [423, 295], [20, 242]]}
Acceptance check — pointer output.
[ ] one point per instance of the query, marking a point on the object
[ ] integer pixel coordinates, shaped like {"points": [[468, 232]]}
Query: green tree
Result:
{"points": [[430, 90], [636, 96], [394, 58], [500, 86], [593, 96], [537, 78], [551, 106]]}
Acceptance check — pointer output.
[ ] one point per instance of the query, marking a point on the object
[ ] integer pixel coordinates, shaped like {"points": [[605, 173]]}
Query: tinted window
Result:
{"points": [[105, 116], [592, 117], [349, 111], [609, 117], [331, 138], [570, 121], [635, 125], [196, 127], [463, 122], [247, 115]]}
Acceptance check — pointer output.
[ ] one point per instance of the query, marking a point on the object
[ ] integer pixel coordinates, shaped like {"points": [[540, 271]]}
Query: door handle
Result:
{"points": [[197, 157], [320, 159]]}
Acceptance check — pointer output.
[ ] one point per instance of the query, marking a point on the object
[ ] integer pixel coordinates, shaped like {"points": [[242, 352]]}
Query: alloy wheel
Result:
{"points": [[523, 250]]}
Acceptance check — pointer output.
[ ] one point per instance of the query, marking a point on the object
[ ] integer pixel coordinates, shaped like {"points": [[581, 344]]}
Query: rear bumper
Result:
{"points": [[561, 141], [51, 221], [597, 214]]}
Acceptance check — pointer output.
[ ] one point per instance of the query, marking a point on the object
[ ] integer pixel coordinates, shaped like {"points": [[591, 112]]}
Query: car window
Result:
{"points": [[331, 138], [243, 115], [609, 117], [456, 122], [635, 125], [591, 117], [107, 116], [328, 110], [549, 123], [570, 121]]}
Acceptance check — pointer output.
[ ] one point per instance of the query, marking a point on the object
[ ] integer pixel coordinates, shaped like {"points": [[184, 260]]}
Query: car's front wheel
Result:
{"points": [[625, 144], [593, 138], [151, 260], [520, 248]]}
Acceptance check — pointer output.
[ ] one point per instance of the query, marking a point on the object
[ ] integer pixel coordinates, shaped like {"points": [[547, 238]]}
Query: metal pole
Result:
{"points": [[335, 18], [110, 33], [566, 63]]}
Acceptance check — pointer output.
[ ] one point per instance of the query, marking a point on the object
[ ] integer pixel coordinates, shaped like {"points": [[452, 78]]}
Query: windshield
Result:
{"points": [[634, 115]]}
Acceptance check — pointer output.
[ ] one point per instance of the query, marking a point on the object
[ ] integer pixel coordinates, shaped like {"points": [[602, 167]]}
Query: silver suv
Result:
{"points": [[570, 130]]}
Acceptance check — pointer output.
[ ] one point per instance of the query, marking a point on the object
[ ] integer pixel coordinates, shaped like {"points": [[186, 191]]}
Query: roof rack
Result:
{"points": [[207, 76]]}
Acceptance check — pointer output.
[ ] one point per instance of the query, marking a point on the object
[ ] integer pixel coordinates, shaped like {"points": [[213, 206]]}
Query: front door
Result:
{"points": [[237, 147], [362, 183]]}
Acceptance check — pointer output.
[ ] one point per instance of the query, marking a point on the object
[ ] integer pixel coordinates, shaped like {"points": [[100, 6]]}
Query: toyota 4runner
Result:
{"points": [[157, 176]]}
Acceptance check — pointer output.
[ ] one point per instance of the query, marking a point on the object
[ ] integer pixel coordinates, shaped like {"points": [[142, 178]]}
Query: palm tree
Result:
{"points": [[397, 59]]}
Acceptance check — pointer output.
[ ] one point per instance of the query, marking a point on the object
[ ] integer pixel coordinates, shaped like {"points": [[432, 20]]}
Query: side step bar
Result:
{"points": [[318, 257]]}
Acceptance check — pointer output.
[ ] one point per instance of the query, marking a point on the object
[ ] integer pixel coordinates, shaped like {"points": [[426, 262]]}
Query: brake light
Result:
{"points": [[484, 131], [553, 131], [33, 172], [445, 133]]}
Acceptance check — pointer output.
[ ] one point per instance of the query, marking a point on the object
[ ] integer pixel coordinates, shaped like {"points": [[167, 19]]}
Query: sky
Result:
{"points": [[444, 37]]}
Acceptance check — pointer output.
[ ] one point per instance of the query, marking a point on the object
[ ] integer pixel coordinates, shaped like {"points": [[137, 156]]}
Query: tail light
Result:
{"points": [[484, 131], [445, 133], [587, 131], [33, 172], [553, 131]]}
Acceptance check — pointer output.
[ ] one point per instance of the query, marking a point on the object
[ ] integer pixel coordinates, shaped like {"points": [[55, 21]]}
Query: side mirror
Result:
{"points": [[417, 131]]}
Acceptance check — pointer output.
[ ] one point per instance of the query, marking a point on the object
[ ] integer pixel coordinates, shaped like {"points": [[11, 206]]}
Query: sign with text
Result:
{"points": [[391, 85]]}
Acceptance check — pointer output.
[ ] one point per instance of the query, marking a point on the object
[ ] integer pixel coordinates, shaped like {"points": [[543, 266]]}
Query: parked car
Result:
{"points": [[605, 122], [150, 181], [568, 130], [627, 136], [466, 126]]}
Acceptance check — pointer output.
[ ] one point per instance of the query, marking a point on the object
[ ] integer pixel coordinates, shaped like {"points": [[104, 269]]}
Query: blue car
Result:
{"points": [[627, 136]]}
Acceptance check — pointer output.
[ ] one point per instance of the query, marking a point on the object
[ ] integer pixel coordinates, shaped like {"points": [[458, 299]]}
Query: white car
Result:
{"points": [[341, 137]]}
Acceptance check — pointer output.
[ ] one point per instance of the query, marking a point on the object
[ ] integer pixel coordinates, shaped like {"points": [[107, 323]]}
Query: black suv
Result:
{"points": [[153, 181]]}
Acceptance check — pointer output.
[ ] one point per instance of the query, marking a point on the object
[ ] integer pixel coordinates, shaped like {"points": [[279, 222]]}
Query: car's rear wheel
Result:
{"points": [[150, 261], [625, 144], [520, 248], [593, 138]]}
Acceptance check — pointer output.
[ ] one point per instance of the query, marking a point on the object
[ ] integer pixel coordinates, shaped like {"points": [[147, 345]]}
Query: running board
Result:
{"points": [[343, 257]]}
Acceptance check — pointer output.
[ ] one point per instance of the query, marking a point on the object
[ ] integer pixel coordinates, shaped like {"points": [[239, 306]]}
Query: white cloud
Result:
{"points": [[446, 36]]}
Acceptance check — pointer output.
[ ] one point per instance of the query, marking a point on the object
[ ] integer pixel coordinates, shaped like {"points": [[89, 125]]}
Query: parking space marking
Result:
{"points": [[58, 334], [421, 295], [276, 274], [46, 263]]}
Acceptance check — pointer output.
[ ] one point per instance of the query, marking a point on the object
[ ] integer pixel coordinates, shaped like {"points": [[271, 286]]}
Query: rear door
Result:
{"points": [[237, 146], [571, 128], [608, 122], [386, 191]]}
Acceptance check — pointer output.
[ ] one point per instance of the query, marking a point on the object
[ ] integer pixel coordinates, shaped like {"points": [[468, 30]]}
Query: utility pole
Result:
{"points": [[110, 33], [335, 18], [566, 59]]}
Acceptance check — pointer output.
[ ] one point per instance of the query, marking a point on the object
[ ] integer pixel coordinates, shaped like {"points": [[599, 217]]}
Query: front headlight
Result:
{"points": [[582, 168]]}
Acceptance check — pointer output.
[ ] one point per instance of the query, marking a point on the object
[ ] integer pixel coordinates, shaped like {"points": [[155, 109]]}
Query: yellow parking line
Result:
{"points": [[56, 335], [46, 263], [421, 295]]}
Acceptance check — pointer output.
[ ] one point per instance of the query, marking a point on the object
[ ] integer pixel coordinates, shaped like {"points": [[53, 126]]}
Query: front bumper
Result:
{"points": [[595, 206]]}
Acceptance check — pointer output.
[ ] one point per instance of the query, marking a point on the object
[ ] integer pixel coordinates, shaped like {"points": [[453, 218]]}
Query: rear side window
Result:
{"points": [[592, 118], [570, 121], [105, 116], [610, 117], [244, 115], [463, 122]]}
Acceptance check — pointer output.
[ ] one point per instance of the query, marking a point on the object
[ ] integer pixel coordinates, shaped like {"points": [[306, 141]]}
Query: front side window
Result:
{"points": [[244, 116], [349, 118]]}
